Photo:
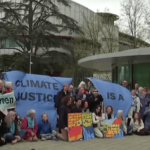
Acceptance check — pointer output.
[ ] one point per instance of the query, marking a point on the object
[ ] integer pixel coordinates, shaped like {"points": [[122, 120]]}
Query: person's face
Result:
{"points": [[83, 85], [109, 110], [121, 114], [66, 88], [81, 90], [148, 91], [143, 94], [133, 93], [136, 116], [45, 117], [145, 89], [98, 109], [11, 86], [86, 105], [89, 84], [79, 103], [32, 115], [69, 102], [13, 116], [136, 86], [70, 89]]}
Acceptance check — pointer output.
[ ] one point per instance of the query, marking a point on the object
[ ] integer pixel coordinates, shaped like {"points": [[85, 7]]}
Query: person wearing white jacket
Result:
{"points": [[135, 107], [98, 118]]}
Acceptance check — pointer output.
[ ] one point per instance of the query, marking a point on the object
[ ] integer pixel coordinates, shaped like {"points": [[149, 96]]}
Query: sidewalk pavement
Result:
{"points": [[129, 142]]}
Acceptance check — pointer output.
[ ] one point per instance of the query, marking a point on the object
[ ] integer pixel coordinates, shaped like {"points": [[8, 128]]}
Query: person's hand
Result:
{"points": [[141, 105], [67, 129], [33, 134], [138, 130], [3, 139], [125, 131], [18, 137]]}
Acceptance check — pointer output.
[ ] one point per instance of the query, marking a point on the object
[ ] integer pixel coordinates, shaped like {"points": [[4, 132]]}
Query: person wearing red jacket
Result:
{"points": [[29, 124]]}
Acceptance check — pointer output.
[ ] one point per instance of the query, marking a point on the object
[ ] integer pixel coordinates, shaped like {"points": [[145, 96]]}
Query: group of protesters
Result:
{"points": [[85, 99]]}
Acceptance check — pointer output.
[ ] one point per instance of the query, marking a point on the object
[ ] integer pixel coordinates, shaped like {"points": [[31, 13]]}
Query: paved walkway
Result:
{"points": [[126, 143]]}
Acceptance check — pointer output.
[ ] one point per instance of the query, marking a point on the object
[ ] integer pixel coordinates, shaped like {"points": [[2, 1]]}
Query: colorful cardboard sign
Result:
{"points": [[75, 126], [87, 119], [112, 127]]}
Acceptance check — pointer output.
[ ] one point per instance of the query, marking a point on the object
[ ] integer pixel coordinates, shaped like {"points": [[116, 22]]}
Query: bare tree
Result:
{"points": [[99, 35], [133, 20]]}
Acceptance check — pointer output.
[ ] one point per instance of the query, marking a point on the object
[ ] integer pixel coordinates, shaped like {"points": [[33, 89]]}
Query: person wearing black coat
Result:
{"points": [[64, 92], [65, 109], [94, 100], [77, 107]]}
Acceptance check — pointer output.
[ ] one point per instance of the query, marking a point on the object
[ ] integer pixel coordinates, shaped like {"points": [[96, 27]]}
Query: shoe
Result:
{"points": [[49, 137], [43, 139], [54, 133], [43, 135]]}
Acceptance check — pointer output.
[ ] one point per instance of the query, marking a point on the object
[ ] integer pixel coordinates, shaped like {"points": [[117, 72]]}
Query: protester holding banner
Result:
{"points": [[109, 113], [147, 117], [138, 125], [98, 118], [29, 124], [63, 118], [44, 129], [123, 127], [85, 107], [12, 134]]}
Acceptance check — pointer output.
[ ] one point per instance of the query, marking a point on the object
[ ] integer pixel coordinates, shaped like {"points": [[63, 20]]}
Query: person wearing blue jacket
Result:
{"points": [[44, 129]]}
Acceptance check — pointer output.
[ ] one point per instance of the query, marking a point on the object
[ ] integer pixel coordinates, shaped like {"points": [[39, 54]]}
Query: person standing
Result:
{"points": [[64, 92]]}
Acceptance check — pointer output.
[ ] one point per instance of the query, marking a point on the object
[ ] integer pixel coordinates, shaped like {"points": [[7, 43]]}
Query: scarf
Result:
{"points": [[12, 128], [30, 123]]}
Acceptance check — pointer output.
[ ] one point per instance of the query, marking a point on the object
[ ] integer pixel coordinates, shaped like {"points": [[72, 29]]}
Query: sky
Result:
{"points": [[100, 5]]}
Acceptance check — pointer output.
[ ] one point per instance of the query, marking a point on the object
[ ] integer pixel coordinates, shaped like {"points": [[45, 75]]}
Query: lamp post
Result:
{"points": [[30, 52]]}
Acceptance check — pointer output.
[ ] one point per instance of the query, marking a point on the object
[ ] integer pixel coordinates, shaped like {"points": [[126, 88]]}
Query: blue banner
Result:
{"points": [[114, 95], [36, 92]]}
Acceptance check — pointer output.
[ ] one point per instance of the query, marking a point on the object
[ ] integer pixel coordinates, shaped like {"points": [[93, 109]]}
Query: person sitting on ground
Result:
{"points": [[29, 124], [44, 129], [77, 107], [109, 113], [123, 127], [138, 125], [8, 87], [147, 117], [12, 134], [63, 118], [98, 118], [85, 107]]}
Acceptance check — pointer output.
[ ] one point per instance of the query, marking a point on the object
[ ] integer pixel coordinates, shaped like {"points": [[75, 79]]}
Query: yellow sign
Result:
{"points": [[87, 119]]}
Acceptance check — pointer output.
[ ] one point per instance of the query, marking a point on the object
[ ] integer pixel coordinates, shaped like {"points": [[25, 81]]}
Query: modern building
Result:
{"points": [[131, 65], [109, 39]]}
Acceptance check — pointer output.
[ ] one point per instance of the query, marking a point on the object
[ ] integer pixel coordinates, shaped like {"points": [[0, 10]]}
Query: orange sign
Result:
{"points": [[74, 125]]}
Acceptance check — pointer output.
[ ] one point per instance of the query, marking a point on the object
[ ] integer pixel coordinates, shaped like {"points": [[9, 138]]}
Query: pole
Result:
{"points": [[30, 56]]}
